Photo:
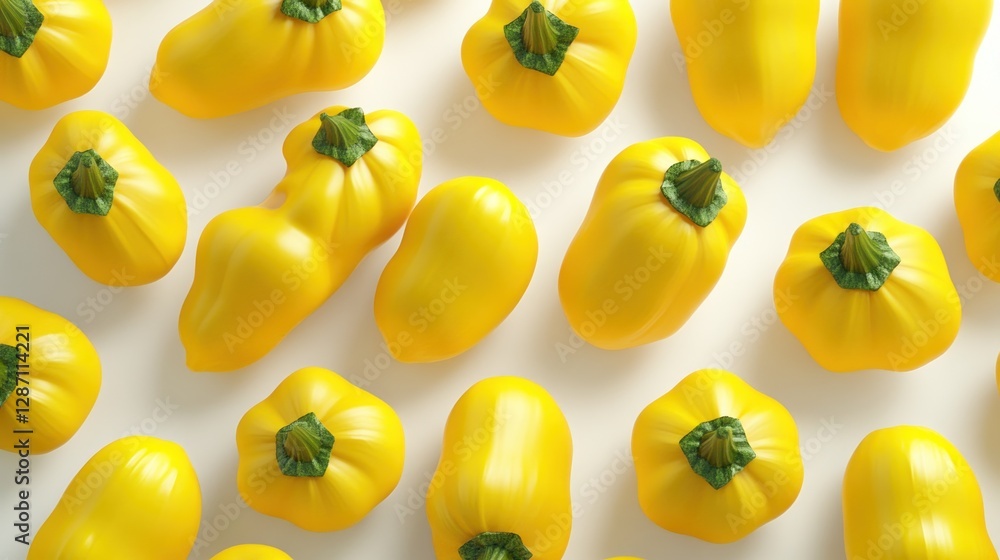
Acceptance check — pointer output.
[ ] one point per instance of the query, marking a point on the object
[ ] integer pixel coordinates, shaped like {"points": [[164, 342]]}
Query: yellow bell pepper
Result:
{"points": [[49, 378], [138, 497], [554, 66], [117, 213], [653, 245], [351, 182], [909, 495], [467, 256], [751, 65], [903, 68], [863, 290], [977, 201], [319, 452], [238, 55], [501, 488], [51, 51], [251, 552], [715, 459]]}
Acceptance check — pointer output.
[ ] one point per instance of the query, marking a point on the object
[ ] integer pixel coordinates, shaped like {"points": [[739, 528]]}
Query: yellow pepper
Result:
{"points": [[903, 68], [554, 66], [653, 245], [319, 452], [863, 290], [238, 55], [466, 258], [251, 552], [117, 213], [351, 182], [977, 200], [909, 495], [138, 497], [51, 51], [715, 459], [49, 376], [751, 65], [501, 488]]}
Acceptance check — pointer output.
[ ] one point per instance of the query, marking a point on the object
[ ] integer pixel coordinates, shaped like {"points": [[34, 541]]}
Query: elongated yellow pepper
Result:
{"points": [[904, 67], [554, 66], [351, 182], [319, 452], [977, 201], [751, 64], [467, 256], [251, 552], [119, 215], [653, 245], [138, 497], [505, 495], [237, 55], [910, 495], [863, 290], [715, 459], [48, 370], [51, 51]]}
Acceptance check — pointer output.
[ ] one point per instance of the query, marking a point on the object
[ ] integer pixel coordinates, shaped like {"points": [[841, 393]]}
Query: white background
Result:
{"points": [[821, 167]]}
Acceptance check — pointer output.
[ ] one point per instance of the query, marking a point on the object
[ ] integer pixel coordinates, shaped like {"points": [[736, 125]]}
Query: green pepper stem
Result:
{"points": [[303, 443], [996, 190], [859, 253], [339, 131], [316, 3], [697, 185], [494, 546], [8, 371], [718, 447], [87, 180], [304, 447], [13, 17], [540, 37]]}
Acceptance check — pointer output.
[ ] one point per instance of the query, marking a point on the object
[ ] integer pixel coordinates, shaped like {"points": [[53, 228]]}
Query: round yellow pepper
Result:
{"points": [[251, 552], [757, 70], [138, 497], [319, 452], [466, 258], [554, 66], [118, 213], [501, 489], [48, 370], [653, 245], [51, 51], [237, 55], [863, 290], [908, 494], [902, 72], [715, 459], [977, 201]]}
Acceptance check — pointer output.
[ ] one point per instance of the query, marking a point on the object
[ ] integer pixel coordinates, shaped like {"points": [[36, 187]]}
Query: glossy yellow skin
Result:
{"points": [[251, 552], [757, 70], [514, 478], [66, 60], [366, 462], [234, 56], [630, 228], [296, 248], [676, 498], [912, 319], [143, 235], [63, 377], [901, 74], [978, 207], [467, 255], [910, 495], [138, 497], [584, 90]]}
